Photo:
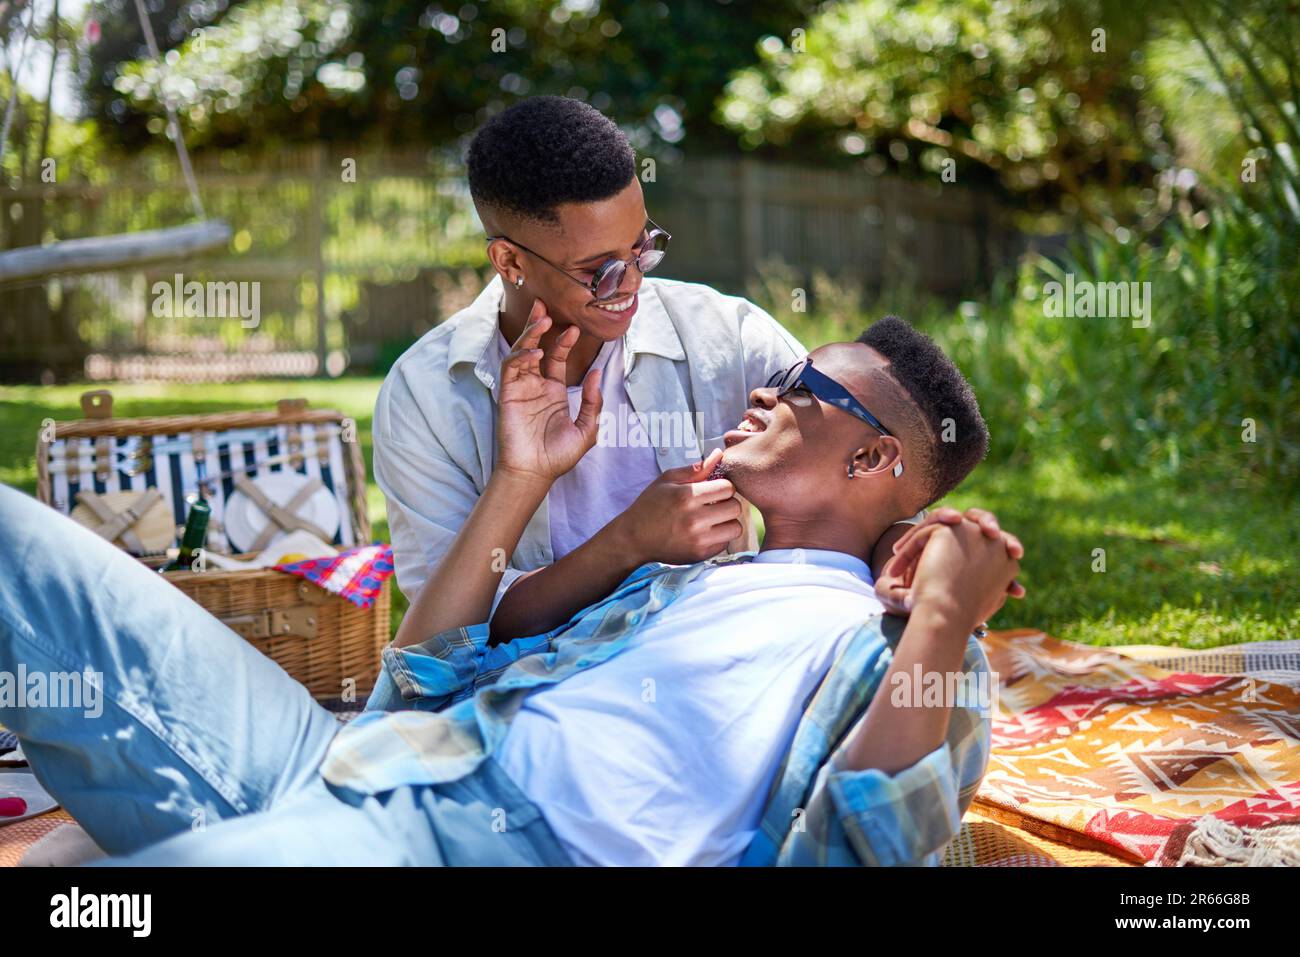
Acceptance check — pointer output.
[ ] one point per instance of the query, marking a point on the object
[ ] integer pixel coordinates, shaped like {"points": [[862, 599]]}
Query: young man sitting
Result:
{"points": [[555, 186], [731, 711]]}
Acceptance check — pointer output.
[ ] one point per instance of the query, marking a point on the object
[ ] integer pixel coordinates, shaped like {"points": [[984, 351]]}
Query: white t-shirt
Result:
{"points": [[608, 479], [665, 753]]}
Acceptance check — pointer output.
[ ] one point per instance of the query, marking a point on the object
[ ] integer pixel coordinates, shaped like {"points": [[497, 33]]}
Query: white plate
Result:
{"points": [[23, 784], [297, 542], [244, 521]]}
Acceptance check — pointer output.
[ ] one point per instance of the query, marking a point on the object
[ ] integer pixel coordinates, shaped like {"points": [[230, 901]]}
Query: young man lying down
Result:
{"points": [[738, 710]]}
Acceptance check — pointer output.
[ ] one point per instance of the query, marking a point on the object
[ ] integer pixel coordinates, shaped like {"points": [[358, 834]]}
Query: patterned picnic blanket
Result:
{"points": [[1106, 756], [1126, 750]]}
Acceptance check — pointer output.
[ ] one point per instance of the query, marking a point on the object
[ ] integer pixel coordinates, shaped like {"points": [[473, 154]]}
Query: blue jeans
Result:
{"points": [[199, 749]]}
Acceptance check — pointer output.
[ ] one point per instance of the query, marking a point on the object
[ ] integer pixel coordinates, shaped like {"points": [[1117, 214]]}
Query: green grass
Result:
{"points": [[1195, 568]]}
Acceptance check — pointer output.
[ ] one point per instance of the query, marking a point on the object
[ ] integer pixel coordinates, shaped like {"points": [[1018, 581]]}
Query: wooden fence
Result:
{"points": [[732, 218], [355, 254]]}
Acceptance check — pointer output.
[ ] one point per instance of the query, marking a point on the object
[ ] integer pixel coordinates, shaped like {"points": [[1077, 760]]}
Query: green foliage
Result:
{"points": [[1230, 74], [1027, 95], [1176, 400], [265, 72], [1222, 353], [37, 133], [1196, 567]]}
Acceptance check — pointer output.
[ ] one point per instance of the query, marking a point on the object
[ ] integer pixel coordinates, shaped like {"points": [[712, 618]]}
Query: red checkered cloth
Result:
{"points": [[357, 574]]}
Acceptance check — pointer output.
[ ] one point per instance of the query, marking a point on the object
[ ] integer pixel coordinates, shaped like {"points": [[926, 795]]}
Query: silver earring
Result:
{"points": [[519, 283], [850, 471]]}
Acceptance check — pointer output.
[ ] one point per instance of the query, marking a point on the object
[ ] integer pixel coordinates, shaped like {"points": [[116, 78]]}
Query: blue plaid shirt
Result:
{"points": [[443, 706]]}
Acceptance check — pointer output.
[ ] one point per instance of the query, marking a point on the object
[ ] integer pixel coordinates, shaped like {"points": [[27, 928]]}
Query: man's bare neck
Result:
{"points": [[829, 534]]}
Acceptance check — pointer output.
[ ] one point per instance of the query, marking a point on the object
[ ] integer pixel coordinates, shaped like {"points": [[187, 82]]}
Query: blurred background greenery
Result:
{"points": [[936, 159]]}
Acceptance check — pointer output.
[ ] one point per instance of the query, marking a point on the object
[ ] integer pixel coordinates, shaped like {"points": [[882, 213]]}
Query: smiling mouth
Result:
{"points": [[749, 425], [616, 308]]}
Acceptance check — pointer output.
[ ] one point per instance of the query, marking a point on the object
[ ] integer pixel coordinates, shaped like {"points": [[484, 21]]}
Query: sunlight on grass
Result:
{"points": [[1193, 567]]}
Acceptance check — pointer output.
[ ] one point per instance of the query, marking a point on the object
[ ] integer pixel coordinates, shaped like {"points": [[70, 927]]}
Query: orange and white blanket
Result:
{"points": [[1125, 750]]}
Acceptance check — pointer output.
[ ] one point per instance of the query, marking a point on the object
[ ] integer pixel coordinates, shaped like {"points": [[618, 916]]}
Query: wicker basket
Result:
{"points": [[323, 640], [326, 642]]}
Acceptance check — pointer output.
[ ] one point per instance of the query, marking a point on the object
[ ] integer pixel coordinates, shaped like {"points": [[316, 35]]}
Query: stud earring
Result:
{"points": [[519, 283], [850, 471]]}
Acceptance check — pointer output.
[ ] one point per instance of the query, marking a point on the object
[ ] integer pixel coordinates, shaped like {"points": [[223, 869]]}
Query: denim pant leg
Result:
{"points": [[481, 820], [311, 828], [486, 820], [192, 724]]}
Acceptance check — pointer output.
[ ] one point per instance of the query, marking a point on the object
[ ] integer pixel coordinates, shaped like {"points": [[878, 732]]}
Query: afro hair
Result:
{"points": [[545, 151], [958, 437]]}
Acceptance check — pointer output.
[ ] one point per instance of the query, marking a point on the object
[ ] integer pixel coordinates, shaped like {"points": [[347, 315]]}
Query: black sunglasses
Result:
{"points": [[607, 279], [802, 375]]}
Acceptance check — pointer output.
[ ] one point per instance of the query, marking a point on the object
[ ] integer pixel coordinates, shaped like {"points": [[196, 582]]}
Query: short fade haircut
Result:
{"points": [[940, 396], [546, 151]]}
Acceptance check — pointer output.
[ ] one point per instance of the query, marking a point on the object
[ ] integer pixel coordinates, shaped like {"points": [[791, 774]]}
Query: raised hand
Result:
{"points": [[535, 435]]}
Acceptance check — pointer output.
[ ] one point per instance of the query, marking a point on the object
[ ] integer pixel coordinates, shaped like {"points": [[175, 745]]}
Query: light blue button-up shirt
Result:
{"points": [[443, 706]]}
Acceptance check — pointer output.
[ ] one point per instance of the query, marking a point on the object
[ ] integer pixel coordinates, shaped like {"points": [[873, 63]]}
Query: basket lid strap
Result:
{"points": [[97, 404], [103, 457], [283, 516], [293, 438], [72, 458], [115, 525]]}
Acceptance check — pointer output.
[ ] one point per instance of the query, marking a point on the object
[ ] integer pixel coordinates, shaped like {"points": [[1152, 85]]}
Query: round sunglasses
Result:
{"points": [[608, 277]]}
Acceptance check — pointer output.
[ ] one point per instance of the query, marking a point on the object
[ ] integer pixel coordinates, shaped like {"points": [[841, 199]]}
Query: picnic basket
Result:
{"points": [[326, 642]]}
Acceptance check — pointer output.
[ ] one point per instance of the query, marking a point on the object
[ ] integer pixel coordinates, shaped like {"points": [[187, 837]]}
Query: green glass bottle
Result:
{"points": [[192, 539]]}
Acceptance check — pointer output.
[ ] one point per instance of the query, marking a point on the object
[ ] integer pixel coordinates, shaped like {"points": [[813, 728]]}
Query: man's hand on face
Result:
{"points": [[536, 438], [683, 516], [896, 585]]}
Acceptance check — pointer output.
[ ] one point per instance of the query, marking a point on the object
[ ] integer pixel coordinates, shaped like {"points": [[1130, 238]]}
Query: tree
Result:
{"points": [[1231, 74], [1042, 98], [40, 148], [404, 72], [117, 39]]}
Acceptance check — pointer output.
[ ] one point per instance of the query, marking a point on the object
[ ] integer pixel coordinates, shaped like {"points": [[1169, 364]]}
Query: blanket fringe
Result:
{"points": [[1216, 843]]}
